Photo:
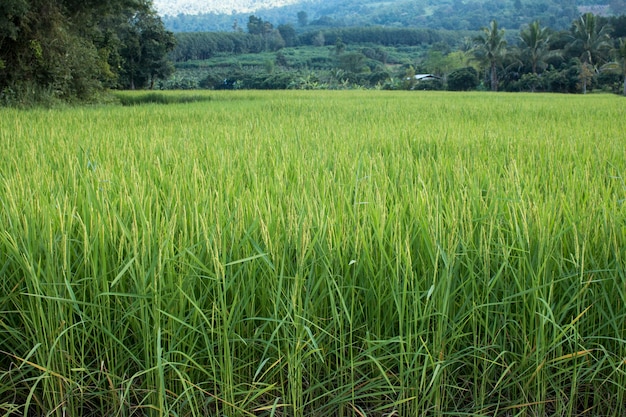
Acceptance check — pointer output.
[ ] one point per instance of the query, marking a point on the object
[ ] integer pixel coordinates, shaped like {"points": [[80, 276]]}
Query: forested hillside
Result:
{"points": [[70, 50], [433, 14], [589, 55]]}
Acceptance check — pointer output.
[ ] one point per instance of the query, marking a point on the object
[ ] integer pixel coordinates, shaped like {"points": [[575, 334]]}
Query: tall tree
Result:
{"points": [[289, 35], [62, 49], [618, 66], [621, 58], [592, 42], [534, 46], [145, 46], [12, 12], [258, 26], [490, 50]]}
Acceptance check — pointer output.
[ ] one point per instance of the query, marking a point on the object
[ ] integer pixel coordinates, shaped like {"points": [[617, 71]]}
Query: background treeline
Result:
{"points": [[71, 50], [68, 51], [205, 45], [440, 14], [588, 55]]}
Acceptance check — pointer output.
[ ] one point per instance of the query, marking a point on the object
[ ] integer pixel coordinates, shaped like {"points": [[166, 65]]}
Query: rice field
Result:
{"points": [[315, 254]]}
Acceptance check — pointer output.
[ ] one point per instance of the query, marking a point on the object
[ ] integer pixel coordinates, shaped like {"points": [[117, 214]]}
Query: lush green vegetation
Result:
{"points": [[315, 253], [71, 51], [439, 14], [585, 57], [68, 51]]}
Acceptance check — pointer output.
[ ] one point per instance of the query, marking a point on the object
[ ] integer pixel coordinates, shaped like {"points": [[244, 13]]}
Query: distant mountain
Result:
{"points": [[214, 15], [195, 7]]}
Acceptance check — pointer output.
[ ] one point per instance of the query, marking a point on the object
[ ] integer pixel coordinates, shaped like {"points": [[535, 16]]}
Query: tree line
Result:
{"points": [[262, 37], [588, 55], [71, 50], [441, 14], [582, 54]]}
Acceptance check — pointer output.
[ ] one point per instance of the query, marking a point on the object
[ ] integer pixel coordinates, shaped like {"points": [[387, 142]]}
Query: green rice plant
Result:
{"points": [[314, 253]]}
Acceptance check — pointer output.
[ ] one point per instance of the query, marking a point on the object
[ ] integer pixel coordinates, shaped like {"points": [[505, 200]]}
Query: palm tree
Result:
{"points": [[619, 65], [534, 46], [593, 42], [490, 50], [621, 56]]}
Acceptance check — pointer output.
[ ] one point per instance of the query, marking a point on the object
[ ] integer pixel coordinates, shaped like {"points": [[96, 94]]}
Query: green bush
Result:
{"points": [[463, 79]]}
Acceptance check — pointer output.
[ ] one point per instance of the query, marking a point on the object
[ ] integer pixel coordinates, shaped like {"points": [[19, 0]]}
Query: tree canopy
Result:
{"points": [[71, 50], [491, 50]]}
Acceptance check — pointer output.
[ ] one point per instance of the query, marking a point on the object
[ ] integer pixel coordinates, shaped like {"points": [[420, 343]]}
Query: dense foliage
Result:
{"points": [[534, 58], [463, 79], [204, 45], [70, 50], [440, 14]]}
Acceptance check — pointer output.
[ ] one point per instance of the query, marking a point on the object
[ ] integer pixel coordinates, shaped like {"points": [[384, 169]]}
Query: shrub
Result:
{"points": [[463, 79]]}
